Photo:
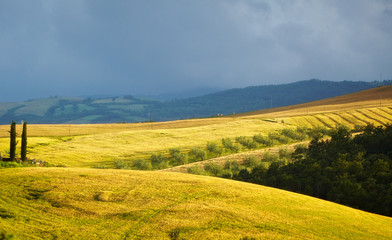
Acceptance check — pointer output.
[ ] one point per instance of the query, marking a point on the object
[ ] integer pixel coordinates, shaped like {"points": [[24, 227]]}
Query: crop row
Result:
{"points": [[376, 116]]}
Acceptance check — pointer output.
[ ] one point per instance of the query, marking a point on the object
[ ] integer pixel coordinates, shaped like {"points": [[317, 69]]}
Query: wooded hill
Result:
{"points": [[131, 109]]}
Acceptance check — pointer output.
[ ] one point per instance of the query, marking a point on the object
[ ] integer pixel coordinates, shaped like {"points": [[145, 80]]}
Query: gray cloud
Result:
{"points": [[78, 47]]}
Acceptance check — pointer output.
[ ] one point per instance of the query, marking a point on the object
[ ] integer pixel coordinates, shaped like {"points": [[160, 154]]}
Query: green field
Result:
{"points": [[51, 203]]}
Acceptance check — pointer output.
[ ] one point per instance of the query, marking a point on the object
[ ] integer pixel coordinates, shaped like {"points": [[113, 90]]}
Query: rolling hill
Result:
{"points": [[130, 109], [85, 203], [52, 203], [92, 145]]}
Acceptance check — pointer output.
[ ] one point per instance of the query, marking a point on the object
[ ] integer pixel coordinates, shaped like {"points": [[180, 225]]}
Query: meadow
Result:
{"points": [[63, 203]]}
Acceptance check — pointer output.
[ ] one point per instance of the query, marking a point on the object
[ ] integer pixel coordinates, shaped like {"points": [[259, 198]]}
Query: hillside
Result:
{"points": [[76, 203], [50, 203], [94, 145], [131, 109]]}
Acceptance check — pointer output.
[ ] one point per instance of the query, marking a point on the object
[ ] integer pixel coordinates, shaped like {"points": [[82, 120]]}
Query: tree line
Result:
{"points": [[175, 157], [346, 169]]}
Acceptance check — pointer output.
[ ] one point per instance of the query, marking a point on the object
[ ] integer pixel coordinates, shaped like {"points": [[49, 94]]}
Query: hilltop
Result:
{"points": [[52, 203], [131, 109]]}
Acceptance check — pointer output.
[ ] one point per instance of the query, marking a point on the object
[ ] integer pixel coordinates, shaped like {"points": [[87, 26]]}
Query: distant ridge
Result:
{"points": [[374, 97], [254, 98], [132, 109]]}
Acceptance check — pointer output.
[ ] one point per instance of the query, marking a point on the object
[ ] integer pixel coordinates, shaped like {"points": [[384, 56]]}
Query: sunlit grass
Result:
{"points": [[102, 144], [47, 203]]}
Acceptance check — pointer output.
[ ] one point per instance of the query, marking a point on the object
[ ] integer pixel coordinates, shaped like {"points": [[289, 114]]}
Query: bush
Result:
{"points": [[259, 139], [227, 173], [299, 134], [5, 236], [235, 148], [196, 170], [142, 164], [11, 164], [273, 135], [246, 142], [157, 158], [248, 238], [270, 157], [178, 158], [162, 165], [100, 166], [284, 153], [303, 132], [198, 153], [174, 151], [358, 128], [213, 168], [283, 139], [158, 161], [120, 164], [213, 147], [251, 162], [317, 132], [233, 166], [227, 143]]}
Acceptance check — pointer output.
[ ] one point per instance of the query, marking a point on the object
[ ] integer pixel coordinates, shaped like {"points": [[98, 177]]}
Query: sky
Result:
{"points": [[88, 47]]}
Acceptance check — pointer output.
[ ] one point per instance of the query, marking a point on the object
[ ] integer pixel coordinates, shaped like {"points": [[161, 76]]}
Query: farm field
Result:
{"points": [[71, 203], [89, 145]]}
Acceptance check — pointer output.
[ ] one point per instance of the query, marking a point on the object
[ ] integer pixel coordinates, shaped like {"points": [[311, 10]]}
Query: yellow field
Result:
{"points": [[104, 148], [53, 203], [82, 203], [88, 145]]}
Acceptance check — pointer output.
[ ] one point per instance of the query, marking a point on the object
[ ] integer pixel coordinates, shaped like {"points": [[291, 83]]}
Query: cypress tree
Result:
{"points": [[23, 151], [12, 141]]}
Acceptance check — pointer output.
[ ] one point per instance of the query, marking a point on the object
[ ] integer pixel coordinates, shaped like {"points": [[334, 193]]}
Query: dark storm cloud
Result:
{"points": [[72, 48]]}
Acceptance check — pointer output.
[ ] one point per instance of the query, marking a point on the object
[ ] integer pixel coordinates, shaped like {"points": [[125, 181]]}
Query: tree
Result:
{"points": [[199, 154], [213, 147], [23, 152], [13, 141]]}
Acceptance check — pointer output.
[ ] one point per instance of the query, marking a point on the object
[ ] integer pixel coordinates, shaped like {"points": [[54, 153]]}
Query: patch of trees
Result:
{"points": [[354, 171], [12, 161]]}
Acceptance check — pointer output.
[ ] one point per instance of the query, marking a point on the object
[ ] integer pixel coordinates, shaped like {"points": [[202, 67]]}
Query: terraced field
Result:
{"points": [[350, 118]]}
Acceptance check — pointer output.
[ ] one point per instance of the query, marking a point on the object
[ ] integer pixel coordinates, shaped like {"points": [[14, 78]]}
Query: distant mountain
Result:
{"points": [[182, 94], [256, 98], [133, 109]]}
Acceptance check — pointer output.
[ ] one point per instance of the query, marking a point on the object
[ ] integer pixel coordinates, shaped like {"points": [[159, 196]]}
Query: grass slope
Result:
{"points": [[50, 203]]}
